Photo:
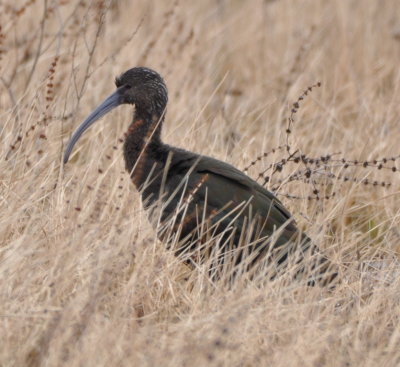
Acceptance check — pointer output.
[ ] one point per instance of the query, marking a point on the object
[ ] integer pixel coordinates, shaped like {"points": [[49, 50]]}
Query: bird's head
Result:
{"points": [[144, 88], [138, 86]]}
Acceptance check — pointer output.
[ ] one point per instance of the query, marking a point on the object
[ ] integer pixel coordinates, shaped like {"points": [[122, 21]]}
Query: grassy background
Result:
{"points": [[83, 280]]}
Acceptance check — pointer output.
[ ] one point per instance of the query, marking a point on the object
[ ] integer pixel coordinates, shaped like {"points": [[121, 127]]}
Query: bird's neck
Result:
{"points": [[143, 148]]}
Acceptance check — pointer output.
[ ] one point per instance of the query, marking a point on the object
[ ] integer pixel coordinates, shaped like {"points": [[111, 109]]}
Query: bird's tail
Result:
{"points": [[315, 265]]}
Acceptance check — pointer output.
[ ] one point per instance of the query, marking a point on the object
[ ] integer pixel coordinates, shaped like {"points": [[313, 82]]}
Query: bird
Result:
{"points": [[199, 206]]}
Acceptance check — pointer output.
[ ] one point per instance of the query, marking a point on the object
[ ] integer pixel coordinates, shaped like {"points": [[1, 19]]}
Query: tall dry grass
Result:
{"points": [[84, 282]]}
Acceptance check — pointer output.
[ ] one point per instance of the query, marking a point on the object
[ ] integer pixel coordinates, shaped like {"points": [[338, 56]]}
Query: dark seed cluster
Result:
{"points": [[50, 89], [295, 108], [2, 36]]}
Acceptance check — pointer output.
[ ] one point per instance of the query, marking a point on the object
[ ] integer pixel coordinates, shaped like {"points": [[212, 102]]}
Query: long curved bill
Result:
{"points": [[106, 106]]}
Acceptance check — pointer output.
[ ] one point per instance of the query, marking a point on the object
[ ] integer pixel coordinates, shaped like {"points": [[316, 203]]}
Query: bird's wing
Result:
{"points": [[231, 173], [218, 185]]}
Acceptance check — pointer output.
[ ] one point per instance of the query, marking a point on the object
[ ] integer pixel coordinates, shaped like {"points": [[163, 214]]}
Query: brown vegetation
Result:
{"points": [[84, 281]]}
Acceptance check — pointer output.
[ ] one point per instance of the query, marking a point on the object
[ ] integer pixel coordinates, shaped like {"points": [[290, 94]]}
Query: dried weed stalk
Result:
{"points": [[319, 172]]}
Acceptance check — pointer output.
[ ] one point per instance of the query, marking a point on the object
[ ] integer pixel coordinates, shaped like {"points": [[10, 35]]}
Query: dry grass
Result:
{"points": [[84, 281]]}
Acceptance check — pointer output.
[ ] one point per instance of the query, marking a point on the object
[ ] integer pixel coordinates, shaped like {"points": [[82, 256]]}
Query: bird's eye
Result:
{"points": [[127, 86]]}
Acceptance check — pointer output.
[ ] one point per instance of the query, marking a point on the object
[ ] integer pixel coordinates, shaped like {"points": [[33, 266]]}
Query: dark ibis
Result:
{"points": [[201, 205]]}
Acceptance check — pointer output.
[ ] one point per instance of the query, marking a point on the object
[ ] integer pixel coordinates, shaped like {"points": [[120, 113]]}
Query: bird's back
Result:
{"points": [[204, 198]]}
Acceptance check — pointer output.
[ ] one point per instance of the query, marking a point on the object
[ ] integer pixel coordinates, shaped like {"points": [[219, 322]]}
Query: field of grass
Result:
{"points": [[83, 279]]}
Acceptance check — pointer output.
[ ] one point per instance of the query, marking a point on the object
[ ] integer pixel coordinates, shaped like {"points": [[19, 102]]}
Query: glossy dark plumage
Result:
{"points": [[198, 196]]}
